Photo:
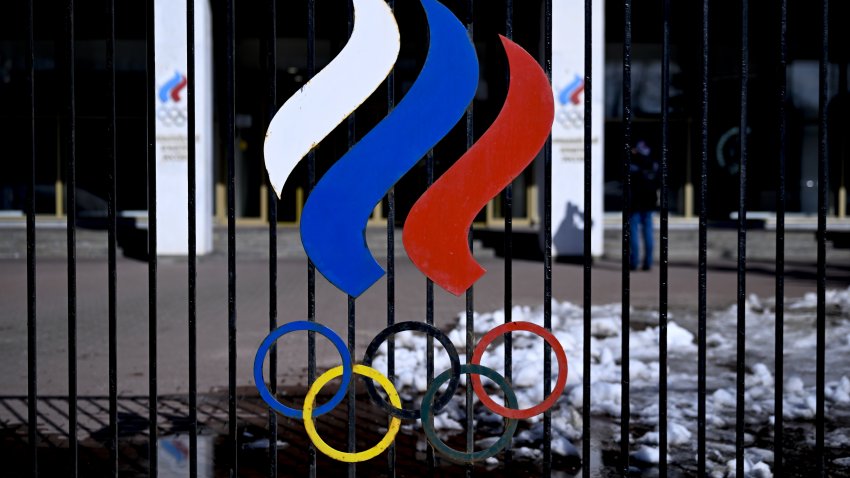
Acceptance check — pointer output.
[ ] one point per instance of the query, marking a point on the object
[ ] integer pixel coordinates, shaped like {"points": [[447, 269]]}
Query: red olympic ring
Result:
{"points": [[559, 385]]}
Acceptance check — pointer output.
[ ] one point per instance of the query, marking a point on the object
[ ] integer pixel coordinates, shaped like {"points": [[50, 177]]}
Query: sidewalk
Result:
{"points": [[331, 309]]}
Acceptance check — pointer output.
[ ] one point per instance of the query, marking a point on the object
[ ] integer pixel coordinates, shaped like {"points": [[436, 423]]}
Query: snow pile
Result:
{"points": [[677, 435], [758, 470], [606, 359], [527, 369]]}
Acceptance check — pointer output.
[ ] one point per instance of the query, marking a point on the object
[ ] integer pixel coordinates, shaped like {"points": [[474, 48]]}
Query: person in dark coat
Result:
{"points": [[644, 175]]}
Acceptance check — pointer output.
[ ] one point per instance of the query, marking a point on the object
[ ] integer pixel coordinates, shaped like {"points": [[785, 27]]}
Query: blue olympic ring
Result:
{"points": [[347, 367]]}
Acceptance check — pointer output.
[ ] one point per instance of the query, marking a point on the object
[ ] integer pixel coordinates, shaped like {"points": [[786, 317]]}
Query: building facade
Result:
{"points": [[294, 69]]}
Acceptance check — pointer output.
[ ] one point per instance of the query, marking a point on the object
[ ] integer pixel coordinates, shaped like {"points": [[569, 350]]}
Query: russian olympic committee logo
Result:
{"points": [[436, 230], [570, 112], [171, 111]]}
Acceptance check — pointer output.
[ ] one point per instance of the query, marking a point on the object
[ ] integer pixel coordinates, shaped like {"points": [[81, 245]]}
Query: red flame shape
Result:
{"points": [[574, 98], [436, 231], [175, 93]]}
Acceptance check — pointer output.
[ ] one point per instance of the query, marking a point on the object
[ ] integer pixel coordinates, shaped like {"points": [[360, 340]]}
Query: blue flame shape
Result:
{"points": [[169, 85], [335, 216]]}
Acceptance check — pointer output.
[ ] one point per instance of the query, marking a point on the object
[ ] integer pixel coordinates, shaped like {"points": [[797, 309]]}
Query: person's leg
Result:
{"points": [[648, 237], [634, 240]]}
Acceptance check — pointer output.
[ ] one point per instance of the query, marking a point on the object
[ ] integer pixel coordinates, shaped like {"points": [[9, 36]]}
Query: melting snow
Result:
{"points": [[606, 356]]}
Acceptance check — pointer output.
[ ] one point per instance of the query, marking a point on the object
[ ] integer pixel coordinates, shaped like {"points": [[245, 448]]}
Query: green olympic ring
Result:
{"points": [[428, 416]]}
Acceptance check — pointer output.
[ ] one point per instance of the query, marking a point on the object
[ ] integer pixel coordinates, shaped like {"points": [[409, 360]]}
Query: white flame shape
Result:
{"points": [[333, 94]]}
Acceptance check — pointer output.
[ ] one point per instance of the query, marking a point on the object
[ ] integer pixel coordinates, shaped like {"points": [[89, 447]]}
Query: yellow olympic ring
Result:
{"points": [[376, 450]]}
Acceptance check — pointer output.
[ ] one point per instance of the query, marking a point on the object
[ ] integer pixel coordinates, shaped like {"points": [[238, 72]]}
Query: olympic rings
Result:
{"points": [[364, 455], [428, 415], [292, 327], [512, 412], [429, 406], [171, 116], [444, 399], [570, 118]]}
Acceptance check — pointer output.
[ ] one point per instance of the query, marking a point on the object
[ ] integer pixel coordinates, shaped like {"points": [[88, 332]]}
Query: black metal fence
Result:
{"points": [[227, 103]]}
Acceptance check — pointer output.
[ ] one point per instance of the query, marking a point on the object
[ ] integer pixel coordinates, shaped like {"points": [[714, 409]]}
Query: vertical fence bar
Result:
{"points": [[391, 452], [71, 214], [470, 338], [429, 317], [703, 248], [663, 259], [150, 68], [271, 108], [470, 293], [742, 244], [508, 208], [587, 238], [779, 333], [547, 251], [230, 131], [32, 344], [352, 317], [311, 269], [352, 396], [823, 205], [112, 227], [625, 262], [192, 221]]}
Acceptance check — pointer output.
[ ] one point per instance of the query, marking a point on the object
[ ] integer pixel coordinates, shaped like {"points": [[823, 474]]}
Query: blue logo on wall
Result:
{"points": [[173, 87]]}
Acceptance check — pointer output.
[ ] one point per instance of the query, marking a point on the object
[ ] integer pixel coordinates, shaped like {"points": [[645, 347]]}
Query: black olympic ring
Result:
{"points": [[444, 399]]}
